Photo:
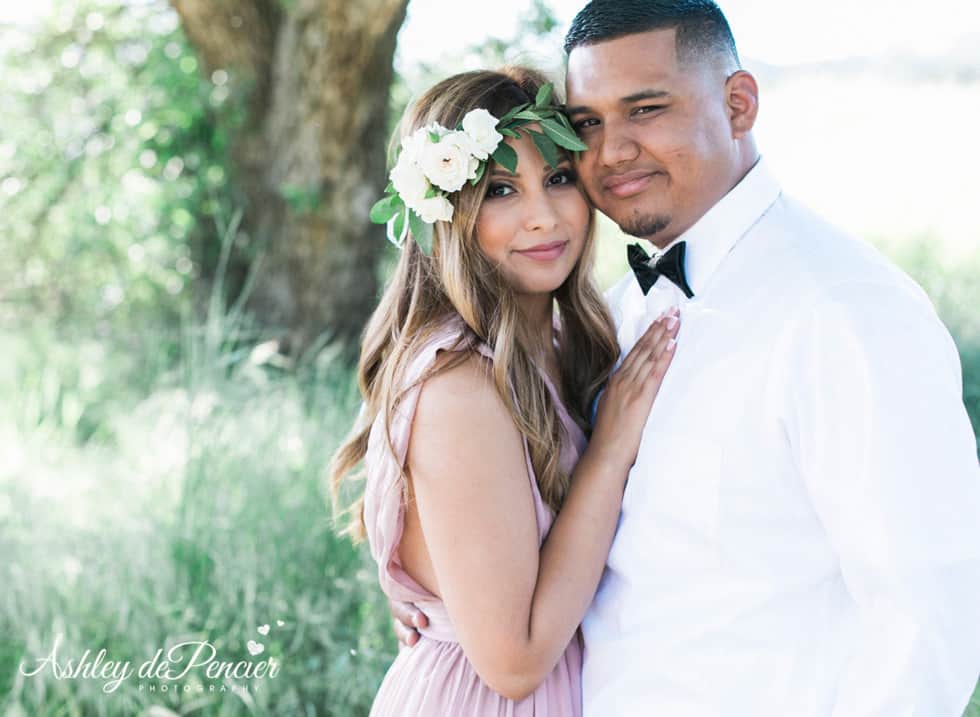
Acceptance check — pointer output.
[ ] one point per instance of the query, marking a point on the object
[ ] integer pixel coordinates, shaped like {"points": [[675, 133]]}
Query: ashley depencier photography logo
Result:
{"points": [[169, 666]]}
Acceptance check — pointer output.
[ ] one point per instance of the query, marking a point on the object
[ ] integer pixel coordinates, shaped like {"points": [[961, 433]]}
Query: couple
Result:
{"points": [[749, 475]]}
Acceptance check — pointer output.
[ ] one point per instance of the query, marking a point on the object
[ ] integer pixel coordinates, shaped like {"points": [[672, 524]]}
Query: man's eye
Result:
{"points": [[585, 124], [499, 190], [647, 109]]}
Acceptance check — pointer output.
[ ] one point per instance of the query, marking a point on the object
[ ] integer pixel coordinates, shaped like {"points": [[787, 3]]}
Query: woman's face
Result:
{"points": [[533, 224]]}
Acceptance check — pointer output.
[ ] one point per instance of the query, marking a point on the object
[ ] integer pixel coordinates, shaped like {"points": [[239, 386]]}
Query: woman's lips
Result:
{"points": [[545, 252], [629, 183]]}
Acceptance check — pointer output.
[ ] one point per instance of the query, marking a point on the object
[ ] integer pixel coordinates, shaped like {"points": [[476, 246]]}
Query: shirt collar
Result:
{"points": [[713, 235]]}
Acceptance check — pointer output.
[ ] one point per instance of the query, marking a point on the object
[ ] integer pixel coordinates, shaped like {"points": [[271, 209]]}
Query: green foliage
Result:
{"points": [[973, 709], [301, 199], [205, 516], [112, 146], [421, 232], [506, 157]]}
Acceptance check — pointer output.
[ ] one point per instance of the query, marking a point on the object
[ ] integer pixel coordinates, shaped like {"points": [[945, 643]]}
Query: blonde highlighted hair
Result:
{"points": [[459, 280]]}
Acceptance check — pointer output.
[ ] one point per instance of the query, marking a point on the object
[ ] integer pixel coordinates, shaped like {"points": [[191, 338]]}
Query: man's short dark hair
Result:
{"points": [[702, 30]]}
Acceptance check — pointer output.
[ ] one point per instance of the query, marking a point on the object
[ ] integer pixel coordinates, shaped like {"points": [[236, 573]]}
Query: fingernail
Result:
{"points": [[671, 322], [416, 620], [671, 344]]}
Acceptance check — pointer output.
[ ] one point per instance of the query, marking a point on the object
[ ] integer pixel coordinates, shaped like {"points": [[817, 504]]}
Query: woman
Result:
{"points": [[476, 394]]}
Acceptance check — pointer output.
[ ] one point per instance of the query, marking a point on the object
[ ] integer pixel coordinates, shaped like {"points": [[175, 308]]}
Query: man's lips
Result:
{"points": [[628, 183], [544, 252]]}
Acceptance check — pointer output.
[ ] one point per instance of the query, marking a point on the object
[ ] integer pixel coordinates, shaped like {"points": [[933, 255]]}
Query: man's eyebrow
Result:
{"points": [[645, 95], [629, 99]]}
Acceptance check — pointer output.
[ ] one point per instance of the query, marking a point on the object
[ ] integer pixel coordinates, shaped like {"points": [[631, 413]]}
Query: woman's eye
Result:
{"points": [[565, 176], [499, 190]]}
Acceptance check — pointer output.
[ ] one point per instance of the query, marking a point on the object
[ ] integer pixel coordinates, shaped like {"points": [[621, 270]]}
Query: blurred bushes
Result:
{"points": [[203, 518], [112, 158]]}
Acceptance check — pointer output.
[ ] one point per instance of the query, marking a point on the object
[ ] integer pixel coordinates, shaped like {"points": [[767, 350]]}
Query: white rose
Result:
{"points": [[434, 209], [414, 144], [449, 163], [481, 128], [409, 180]]}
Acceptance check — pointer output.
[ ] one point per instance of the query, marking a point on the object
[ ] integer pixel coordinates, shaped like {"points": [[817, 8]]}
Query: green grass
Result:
{"points": [[196, 510]]}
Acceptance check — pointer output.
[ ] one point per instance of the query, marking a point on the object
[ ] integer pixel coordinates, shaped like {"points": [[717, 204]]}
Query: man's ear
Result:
{"points": [[742, 95]]}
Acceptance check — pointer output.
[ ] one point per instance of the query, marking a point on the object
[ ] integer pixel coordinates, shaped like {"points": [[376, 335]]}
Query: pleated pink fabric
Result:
{"points": [[433, 678]]}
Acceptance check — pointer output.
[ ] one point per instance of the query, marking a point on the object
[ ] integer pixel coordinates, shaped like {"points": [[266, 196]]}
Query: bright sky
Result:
{"points": [[773, 31]]}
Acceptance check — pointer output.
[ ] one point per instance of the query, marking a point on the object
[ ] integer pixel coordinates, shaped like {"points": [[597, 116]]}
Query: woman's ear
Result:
{"points": [[742, 95]]}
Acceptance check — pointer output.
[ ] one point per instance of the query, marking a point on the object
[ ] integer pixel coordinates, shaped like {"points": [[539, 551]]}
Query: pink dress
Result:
{"points": [[434, 678]]}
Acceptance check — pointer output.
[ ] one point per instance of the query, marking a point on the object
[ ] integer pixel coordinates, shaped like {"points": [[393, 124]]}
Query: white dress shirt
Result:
{"points": [[800, 534]]}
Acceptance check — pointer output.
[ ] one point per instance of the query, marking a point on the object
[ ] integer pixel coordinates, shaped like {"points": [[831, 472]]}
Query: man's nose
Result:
{"points": [[617, 147]]}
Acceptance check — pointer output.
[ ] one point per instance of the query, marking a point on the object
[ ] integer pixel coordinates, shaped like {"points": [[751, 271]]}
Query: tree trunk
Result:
{"points": [[310, 158]]}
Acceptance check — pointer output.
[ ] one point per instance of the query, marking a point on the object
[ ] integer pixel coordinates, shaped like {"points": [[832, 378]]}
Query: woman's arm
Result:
{"points": [[515, 609]]}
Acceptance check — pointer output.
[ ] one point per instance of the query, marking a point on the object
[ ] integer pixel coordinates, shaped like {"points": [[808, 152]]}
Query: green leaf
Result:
{"points": [[399, 224], [384, 209], [508, 132], [421, 232], [529, 115], [563, 135], [544, 95], [480, 169], [434, 136], [506, 157], [509, 115], [546, 146]]}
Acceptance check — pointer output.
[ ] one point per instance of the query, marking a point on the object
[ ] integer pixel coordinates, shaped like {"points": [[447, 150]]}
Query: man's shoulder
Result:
{"points": [[816, 258]]}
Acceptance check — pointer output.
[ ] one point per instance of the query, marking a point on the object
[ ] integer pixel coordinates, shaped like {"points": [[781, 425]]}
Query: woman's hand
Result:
{"points": [[407, 620], [628, 397]]}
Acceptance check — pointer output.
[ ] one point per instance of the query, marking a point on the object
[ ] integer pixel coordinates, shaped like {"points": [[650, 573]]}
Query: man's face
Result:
{"points": [[661, 151]]}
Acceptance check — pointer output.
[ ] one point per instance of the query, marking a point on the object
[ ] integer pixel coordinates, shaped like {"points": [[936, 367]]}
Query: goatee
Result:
{"points": [[646, 227]]}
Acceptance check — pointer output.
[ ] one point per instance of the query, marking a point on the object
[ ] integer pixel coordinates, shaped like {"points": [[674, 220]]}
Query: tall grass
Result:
{"points": [[146, 502]]}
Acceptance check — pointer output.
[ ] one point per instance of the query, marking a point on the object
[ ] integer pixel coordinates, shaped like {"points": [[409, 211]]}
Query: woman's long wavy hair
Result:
{"points": [[459, 280]]}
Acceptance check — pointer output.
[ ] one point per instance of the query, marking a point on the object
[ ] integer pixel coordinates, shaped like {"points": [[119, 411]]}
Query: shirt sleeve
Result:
{"points": [[886, 451]]}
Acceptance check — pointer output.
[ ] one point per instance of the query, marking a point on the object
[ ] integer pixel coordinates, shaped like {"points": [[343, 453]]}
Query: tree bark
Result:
{"points": [[310, 158]]}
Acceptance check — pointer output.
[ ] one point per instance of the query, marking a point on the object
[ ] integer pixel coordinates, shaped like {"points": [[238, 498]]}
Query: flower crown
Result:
{"points": [[435, 162]]}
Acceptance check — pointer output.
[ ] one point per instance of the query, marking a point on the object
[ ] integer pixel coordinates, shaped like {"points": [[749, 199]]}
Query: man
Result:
{"points": [[799, 534]]}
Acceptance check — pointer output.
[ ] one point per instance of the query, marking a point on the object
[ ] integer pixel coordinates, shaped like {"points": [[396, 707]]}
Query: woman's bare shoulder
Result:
{"points": [[460, 413]]}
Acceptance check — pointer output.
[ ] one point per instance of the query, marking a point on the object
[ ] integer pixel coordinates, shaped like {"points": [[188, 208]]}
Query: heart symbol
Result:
{"points": [[280, 623], [254, 647], [264, 630]]}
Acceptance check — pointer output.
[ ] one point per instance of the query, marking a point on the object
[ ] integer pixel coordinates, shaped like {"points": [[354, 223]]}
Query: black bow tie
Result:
{"points": [[671, 265]]}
